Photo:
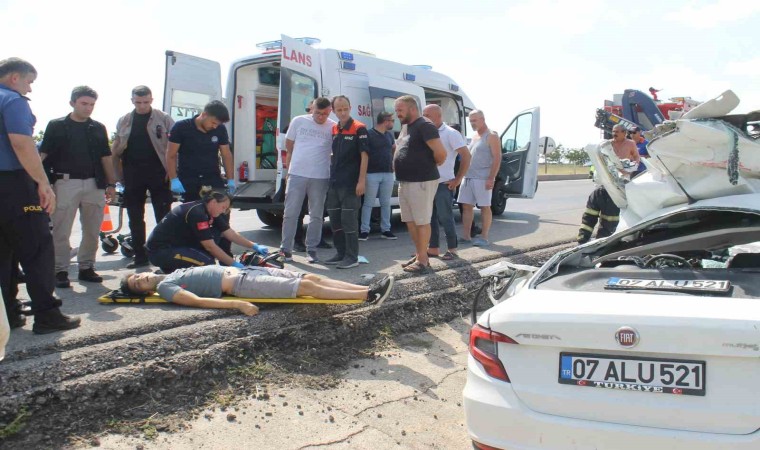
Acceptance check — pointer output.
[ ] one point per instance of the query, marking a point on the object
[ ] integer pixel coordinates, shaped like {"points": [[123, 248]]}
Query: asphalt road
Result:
{"points": [[552, 216]]}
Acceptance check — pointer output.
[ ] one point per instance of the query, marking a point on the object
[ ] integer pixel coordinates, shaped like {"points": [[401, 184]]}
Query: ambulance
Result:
{"points": [[264, 92]]}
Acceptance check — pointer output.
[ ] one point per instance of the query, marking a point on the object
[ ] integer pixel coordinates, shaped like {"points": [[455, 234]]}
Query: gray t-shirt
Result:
{"points": [[205, 281]]}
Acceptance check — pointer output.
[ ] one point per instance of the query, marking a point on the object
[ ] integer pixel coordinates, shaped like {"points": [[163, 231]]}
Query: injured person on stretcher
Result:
{"points": [[204, 287]]}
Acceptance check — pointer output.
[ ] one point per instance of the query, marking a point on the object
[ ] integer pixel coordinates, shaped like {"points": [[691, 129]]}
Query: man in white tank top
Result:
{"points": [[477, 187]]}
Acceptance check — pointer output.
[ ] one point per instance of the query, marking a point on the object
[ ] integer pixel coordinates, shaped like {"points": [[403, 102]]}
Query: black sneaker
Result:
{"points": [[336, 259], [388, 235], [380, 291], [363, 236], [299, 247], [62, 280], [89, 275], [54, 320], [16, 320], [286, 255], [138, 262], [348, 264]]}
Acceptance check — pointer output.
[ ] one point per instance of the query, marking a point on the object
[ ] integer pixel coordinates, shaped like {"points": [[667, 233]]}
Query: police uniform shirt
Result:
{"points": [[198, 151], [187, 225], [17, 118]]}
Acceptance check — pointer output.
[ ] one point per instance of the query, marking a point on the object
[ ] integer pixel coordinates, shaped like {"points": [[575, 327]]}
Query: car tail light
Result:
{"points": [[480, 446], [484, 348]]}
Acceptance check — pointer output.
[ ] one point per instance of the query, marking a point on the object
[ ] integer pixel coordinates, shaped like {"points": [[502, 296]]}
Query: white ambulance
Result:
{"points": [[266, 91]]}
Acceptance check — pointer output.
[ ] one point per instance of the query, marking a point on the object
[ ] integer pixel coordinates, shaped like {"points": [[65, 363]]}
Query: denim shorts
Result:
{"points": [[267, 282]]}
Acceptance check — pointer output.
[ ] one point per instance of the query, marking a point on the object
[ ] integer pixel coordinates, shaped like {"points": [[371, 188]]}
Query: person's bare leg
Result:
{"points": [[468, 213], [421, 243], [487, 216], [329, 282], [312, 289]]}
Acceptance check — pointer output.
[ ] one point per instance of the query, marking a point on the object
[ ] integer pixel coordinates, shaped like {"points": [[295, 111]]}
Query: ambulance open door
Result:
{"points": [[190, 83]]}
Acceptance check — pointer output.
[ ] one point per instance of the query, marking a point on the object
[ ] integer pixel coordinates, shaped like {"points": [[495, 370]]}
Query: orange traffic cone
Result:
{"points": [[107, 225]]}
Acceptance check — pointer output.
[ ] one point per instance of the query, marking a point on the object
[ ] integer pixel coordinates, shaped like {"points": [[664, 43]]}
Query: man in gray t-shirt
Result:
{"points": [[204, 286]]}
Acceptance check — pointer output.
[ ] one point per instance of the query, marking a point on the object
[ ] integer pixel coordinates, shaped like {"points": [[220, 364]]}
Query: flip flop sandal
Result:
{"points": [[409, 261], [417, 268], [448, 256]]}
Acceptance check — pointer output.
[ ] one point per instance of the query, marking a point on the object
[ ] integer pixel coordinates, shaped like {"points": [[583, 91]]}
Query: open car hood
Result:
{"points": [[707, 154]]}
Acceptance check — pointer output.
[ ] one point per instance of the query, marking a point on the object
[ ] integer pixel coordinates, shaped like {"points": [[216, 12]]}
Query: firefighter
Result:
{"points": [[599, 208]]}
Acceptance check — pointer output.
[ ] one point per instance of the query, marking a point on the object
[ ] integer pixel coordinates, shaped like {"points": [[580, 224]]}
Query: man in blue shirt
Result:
{"points": [[26, 202]]}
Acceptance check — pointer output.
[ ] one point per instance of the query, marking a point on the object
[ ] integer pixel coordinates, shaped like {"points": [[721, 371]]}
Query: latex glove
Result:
{"points": [[231, 186], [260, 249], [237, 265], [176, 186]]}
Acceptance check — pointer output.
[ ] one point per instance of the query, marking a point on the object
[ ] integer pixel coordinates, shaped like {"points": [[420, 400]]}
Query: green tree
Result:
{"points": [[577, 156], [38, 137]]}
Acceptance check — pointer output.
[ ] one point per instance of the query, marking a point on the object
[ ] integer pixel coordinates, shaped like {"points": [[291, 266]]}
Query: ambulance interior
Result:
{"points": [[256, 101]]}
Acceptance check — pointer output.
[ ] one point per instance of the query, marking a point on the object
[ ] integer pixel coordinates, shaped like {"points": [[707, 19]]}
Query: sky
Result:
{"points": [[508, 56]]}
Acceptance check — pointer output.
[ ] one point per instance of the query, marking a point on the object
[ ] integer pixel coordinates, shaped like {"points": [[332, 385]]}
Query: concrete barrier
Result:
{"points": [[579, 176]]}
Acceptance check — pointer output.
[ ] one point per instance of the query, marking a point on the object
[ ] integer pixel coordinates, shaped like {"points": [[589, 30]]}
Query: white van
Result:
{"points": [[266, 91]]}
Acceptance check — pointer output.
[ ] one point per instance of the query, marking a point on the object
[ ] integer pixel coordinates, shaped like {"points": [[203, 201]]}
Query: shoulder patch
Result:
{"points": [[203, 225]]}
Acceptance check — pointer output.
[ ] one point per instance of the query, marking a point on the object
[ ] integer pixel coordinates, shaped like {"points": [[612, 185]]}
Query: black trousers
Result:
{"points": [[138, 180], [25, 237], [171, 259], [343, 209], [193, 185]]}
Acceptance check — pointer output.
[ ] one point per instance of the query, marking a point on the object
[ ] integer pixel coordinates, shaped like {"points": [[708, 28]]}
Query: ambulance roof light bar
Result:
{"points": [[276, 45]]}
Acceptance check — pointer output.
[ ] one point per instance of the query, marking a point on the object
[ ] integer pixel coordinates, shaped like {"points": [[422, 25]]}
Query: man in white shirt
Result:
{"points": [[454, 143], [309, 144]]}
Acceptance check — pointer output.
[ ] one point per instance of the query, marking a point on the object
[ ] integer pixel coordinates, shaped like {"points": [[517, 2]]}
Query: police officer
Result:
{"points": [[192, 159], [139, 157], [26, 201], [189, 234]]}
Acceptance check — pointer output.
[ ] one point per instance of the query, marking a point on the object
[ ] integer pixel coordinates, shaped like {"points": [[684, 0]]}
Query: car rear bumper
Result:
{"points": [[496, 417]]}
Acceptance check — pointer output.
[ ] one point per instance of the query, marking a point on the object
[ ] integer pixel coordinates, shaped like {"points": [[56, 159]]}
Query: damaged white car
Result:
{"points": [[649, 338]]}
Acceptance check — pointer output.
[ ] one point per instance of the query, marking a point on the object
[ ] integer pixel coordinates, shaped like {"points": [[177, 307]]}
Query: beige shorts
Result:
{"points": [[474, 192], [416, 200]]}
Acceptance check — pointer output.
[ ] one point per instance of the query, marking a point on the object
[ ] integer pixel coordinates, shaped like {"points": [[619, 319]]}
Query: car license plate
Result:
{"points": [[658, 376], [669, 285]]}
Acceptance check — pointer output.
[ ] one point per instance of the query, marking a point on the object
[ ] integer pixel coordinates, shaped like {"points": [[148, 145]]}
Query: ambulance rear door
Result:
{"points": [[300, 83], [190, 83]]}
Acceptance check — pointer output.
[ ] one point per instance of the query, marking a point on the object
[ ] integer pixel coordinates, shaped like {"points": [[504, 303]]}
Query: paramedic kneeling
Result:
{"points": [[189, 235], [203, 287]]}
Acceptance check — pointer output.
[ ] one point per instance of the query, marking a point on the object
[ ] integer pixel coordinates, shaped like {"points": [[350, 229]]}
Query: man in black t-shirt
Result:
{"points": [[348, 177], [192, 159], [76, 153], [419, 153], [139, 155], [380, 177], [195, 144]]}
